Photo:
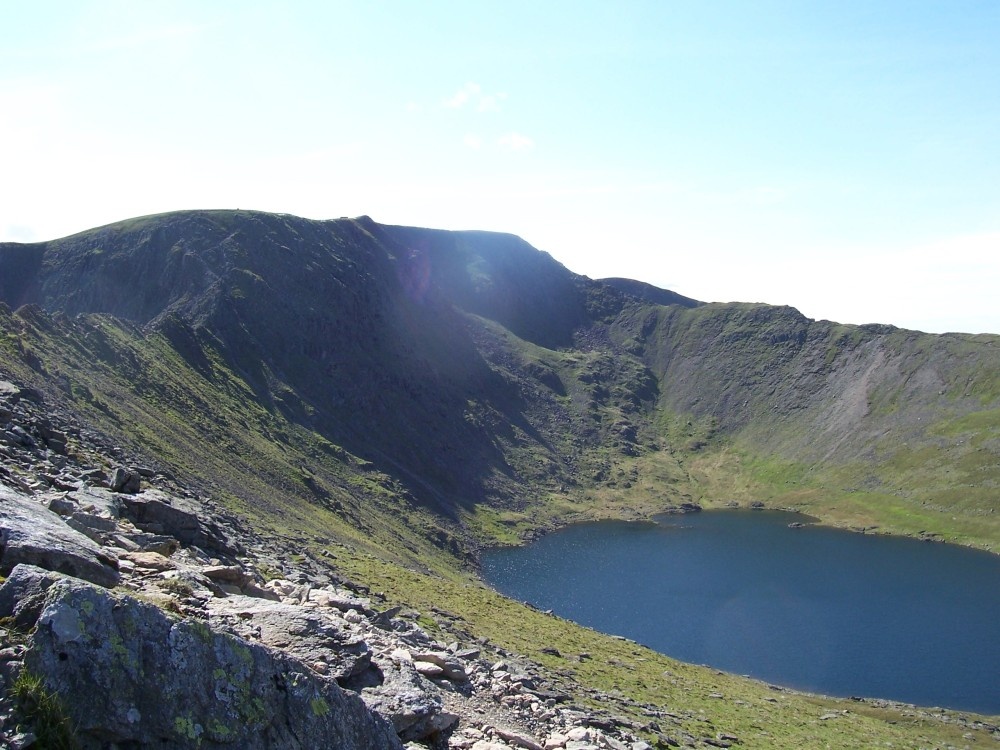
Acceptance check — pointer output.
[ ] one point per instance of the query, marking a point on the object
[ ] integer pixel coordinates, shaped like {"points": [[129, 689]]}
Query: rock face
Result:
{"points": [[131, 674], [308, 634], [157, 513], [32, 534]]}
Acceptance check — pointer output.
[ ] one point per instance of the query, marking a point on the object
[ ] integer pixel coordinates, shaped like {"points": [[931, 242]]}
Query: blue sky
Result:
{"points": [[840, 157]]}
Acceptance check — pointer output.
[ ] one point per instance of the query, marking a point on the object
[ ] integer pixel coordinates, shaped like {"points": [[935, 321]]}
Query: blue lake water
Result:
{"points": [[814, 608]]}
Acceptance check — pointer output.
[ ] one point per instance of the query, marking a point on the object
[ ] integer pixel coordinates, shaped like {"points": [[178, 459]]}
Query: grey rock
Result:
{"points": [[61, 505], [428, 669], [338, 600], [410, 702], [89, 524], [8, 390], [130, 675], [125, 480], [450, 666], [22, 595], [199, 586], [158, 513], [30, 394], [159, 543], [17, 435], [22, 741], [230, 574], [517, 739], [258, 592], [96, 501], [32, 534], [311, 635]]}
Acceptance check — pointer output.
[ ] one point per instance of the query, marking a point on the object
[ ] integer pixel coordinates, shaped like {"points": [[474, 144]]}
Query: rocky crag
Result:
{"points": [[153, 623]]}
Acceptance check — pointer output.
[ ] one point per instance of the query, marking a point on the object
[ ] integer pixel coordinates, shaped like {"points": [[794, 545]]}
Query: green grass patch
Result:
{"points": [[42, 710]]}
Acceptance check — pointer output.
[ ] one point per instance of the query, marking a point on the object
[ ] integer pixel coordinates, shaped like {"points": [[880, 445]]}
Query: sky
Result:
{"points": [[839, 157]]}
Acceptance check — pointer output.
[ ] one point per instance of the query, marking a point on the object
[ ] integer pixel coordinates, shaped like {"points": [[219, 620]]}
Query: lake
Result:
{"points": [[813, 608]]}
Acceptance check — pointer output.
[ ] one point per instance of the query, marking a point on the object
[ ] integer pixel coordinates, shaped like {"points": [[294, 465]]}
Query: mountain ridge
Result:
{"points": [[476, 370], [374, 403]]}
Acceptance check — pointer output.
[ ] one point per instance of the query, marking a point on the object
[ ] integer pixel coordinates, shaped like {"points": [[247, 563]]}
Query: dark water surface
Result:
{"points": [[814, 608]]}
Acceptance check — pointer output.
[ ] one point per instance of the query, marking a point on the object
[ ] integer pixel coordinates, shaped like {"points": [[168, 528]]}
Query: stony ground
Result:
{"points": [[72, 503]]}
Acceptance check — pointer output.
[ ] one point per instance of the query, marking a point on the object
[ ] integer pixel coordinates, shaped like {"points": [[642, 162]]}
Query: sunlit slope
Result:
{"points": [[864, 425], [490, 389]]}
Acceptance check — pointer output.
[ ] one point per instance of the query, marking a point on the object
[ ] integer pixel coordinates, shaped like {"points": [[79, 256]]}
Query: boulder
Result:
{"points": [[448, 665], [518, 739], [230, 574], [338, 600], [22, 596], [8, 391], [125, 480], [156, 512], [311, 635], [131, 676], [148, 560], [31, 533], [97, 501], [410, 702]]}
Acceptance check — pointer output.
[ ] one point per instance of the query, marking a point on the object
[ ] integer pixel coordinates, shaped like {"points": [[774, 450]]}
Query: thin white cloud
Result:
{"points": [[18, 233], [463, 96], [942, 285], [473, 141], [491, 102], [515, 141], [473, 94]]}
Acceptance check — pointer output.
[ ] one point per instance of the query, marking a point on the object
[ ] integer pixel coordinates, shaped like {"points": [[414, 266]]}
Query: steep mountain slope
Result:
{"points": [[478, 382], [894, 427], [376, 401]]}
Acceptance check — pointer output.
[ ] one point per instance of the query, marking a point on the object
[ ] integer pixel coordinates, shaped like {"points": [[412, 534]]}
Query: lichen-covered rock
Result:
{"points": [[130, 675], [411, 703], [311, 635], [32, 534]]}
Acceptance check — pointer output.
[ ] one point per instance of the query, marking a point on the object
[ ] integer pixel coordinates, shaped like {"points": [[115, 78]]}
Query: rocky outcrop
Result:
{"points": [[156, 512], [129, 673], [32, 534], [211, 655], [317, 636]]}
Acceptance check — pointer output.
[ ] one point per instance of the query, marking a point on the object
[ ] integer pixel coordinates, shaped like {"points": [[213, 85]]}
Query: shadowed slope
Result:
{"points": [[490, 382]]}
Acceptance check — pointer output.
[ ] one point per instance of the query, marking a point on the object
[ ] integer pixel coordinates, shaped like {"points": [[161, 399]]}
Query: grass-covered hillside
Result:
{"points": [[471, 380], [394, 397]]}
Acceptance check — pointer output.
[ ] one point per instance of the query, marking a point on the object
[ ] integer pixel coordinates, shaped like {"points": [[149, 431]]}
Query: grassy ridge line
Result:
{"points": [[842, 411], [120, 377], [862, 426]]}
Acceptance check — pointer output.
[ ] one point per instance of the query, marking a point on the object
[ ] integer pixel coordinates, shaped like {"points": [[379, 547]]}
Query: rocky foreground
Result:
{"points": [[159, 620]]}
